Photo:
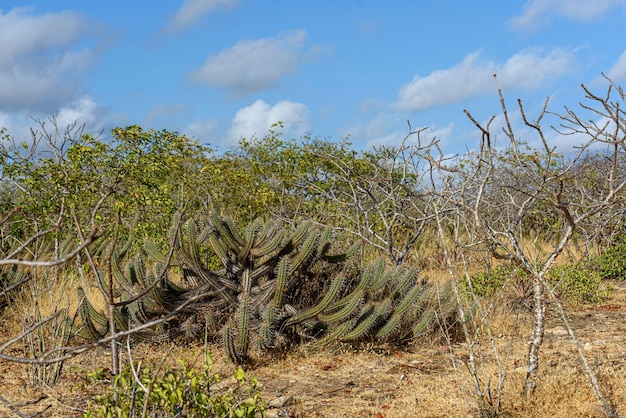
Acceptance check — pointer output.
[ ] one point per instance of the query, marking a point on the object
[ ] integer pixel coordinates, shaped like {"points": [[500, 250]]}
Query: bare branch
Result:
{"points": [[37, 263]]}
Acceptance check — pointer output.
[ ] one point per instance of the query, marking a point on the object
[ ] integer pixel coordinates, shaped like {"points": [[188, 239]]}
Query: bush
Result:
{"points": [[578, 283], [178, 392], [612, 263], [488, 283]]}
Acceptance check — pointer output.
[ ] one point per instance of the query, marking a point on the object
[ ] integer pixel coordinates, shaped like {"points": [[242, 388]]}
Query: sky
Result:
{"points": [[221, 70]]}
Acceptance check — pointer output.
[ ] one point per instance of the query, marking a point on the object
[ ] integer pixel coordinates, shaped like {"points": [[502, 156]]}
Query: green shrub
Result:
{"points": [[578, 283], [612, 263], [488, 283], [177, 392]]}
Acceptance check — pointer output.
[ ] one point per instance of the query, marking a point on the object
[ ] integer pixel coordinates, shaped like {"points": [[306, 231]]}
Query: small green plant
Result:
{"points": [[186, 391], [612, 263], [578, 283], [97, 376]]}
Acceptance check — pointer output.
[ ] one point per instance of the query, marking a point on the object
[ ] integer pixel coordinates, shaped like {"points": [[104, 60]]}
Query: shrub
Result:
{"points": [[578, 283], [488, 283], [612, 263], [178, 392]]}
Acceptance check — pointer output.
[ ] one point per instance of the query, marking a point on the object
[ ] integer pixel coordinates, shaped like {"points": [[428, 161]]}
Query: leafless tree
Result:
{"points": [[500, 192], [380, 196]]}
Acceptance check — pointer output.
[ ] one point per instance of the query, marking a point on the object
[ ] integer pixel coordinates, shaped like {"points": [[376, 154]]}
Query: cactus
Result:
{"points": [[267, 286], [330, 295], [261, 270], [390, 326], [11, 277], [229, 343], [282, 273], [367, 320], [385, 304], [130, 277], [250, 297], [90, 318], [243, 325], [348, 305]]}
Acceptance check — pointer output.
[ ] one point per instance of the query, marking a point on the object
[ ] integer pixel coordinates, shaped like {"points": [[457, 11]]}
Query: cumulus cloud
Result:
{"points": [[618, 70], [390, 129], [40, 58], [252, 66], [569, 144], [257, 119], [82, 111], [474, 75], [193, 10], [537, 13], [384, 128]]}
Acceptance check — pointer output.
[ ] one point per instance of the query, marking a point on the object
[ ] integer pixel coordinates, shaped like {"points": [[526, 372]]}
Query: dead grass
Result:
{"points": [[426, 379]]}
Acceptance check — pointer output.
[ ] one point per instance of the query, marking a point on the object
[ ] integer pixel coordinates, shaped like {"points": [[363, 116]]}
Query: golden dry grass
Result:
{"points": [[426, 379]]}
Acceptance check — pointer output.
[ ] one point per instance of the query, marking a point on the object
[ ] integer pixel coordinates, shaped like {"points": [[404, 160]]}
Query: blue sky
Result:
{"points": [[219, 70]]}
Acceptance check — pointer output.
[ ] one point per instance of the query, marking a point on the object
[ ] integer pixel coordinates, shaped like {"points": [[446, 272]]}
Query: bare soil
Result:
{"points": [[428, 379]]}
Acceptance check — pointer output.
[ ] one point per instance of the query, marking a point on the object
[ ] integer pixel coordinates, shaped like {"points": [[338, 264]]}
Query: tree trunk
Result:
{"points": [[534, 345]]}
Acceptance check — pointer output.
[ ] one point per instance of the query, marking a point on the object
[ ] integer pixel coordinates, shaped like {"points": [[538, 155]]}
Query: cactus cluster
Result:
{"points": [[268, 286], [261, 269], [388, 304], [131, 278]]}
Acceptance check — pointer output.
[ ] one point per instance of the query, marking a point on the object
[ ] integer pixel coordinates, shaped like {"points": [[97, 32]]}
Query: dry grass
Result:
{"points": [[426, 379]]}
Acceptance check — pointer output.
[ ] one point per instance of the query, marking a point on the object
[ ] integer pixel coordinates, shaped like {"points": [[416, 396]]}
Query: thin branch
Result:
{"points": [[34, 263]]}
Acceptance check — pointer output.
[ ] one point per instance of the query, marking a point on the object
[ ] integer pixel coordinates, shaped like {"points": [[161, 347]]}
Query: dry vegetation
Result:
{"points": [[423, 379], [388, 283]]}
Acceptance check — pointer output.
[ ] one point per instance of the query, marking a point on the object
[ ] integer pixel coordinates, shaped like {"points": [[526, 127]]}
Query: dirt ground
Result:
{"points": [[424, 380]]}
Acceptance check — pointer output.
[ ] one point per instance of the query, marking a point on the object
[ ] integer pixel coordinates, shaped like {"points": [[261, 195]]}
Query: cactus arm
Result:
{"points": [[370, 316], [348, 310], [330, 295], [281, 281], [243, 325]]}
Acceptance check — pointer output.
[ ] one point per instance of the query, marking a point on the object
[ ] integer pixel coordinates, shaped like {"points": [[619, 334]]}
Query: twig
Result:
{"points": [[34, 263], [13, 409]]}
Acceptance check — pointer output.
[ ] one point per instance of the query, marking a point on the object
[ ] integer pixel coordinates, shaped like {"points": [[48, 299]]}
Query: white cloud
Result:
{"points": [[252, 66], [563, 143], [538, 13], [570, 143], [379, 127], [444, 135], [528, 69], [257, 119], [372, 105], [15, 128], [40, 59], [83, 111], [193, 10], [388, 140], [201, 131], [618, 70], [390, 128]]}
